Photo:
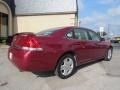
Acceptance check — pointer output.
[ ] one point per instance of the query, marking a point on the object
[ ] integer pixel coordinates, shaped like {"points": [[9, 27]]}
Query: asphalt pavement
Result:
{"points": [[101, 75]]}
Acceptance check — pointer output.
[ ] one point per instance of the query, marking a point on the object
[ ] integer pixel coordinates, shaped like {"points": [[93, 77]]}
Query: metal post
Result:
{"points": [[76, 15], [0, 24], [108, 31]]}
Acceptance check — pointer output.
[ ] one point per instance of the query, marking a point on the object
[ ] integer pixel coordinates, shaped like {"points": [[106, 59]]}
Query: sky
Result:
{"points": [[100, 13]]}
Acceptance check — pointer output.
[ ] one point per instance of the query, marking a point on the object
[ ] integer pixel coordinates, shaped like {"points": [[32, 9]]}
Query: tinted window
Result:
{"points": [[93, 36], [81, 34]]}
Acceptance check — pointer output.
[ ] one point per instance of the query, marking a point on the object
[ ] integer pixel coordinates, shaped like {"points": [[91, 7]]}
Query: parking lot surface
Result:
{"points": [[102, 75]]}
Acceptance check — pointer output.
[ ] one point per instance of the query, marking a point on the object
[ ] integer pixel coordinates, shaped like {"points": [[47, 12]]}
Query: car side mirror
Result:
{"points": [[102, 39]]}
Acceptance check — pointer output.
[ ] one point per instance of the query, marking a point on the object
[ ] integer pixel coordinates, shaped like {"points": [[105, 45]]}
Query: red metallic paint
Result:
{"points": [[54, 46]]}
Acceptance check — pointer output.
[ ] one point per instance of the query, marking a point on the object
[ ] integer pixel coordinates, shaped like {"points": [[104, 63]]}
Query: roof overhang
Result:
{"points": [[45, 7]]}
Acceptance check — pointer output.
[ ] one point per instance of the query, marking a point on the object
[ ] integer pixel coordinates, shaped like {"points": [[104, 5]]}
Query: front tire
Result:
{"points": [[65, 67], [108, 56]]}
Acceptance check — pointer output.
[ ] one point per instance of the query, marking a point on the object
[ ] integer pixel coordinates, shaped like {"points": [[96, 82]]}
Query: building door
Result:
{"points": [[3, 26]]}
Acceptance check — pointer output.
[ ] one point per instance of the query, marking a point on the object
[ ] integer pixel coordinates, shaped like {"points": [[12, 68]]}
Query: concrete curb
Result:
{"points": [[4, 46]]}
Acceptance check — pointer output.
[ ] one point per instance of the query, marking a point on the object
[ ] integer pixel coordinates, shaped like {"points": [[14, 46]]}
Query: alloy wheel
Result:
{"points": [[66, 66]]}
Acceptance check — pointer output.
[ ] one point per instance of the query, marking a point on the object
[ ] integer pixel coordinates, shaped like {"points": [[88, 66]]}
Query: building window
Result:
{"points": [[3, 26]]}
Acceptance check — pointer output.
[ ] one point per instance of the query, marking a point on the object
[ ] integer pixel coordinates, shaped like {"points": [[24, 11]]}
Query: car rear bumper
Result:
{"points": [[31, 60]]}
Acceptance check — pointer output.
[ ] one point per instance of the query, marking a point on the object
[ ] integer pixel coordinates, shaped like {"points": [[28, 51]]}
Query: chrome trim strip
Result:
{"points": [[29, 48]]}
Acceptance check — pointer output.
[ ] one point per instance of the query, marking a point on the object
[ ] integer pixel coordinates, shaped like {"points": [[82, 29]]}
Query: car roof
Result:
{"points": [[63, 30], [73, 27]]}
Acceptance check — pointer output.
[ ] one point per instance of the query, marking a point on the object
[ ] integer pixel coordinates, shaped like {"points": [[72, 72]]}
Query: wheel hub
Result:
{"points": [[67, 66]]}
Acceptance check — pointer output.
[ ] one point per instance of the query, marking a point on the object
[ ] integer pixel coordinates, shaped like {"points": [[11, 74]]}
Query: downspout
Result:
{"points": [[76, 14]]}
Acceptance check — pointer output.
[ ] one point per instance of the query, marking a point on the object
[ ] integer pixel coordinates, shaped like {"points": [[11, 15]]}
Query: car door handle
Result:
{"points": [[95, 43], [80, 45], [77, 44]]}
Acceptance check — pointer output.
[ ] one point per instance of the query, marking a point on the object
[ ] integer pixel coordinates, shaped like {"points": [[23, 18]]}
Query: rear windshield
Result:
{"points": [[47, 32]]}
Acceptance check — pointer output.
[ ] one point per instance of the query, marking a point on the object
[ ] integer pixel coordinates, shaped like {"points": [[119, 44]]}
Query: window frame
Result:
{"points": [[88, 38], [84, 30], [91, 38]]}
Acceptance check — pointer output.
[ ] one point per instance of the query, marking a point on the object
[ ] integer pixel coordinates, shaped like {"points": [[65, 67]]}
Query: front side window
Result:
{"points": [[94, 36], [81, 34]]}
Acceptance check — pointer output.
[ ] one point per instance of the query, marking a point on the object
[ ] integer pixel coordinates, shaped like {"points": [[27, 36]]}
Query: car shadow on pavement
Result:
{"points": [[44, 74]]}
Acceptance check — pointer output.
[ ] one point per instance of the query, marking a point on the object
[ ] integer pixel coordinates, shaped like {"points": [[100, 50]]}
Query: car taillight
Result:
{"points": [[28, 43], [31, 42]]}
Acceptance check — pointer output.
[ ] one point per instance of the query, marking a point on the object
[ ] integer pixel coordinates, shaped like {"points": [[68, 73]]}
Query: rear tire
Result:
{"points": [[65, 67], [108, 56]]}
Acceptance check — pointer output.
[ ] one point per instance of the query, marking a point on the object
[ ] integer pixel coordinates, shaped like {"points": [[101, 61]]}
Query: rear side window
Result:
{"points": [[81, 34]]}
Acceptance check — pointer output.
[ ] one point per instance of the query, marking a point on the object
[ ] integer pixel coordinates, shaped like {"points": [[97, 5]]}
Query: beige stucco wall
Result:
{"points": [[42, 22], [3, 8]]}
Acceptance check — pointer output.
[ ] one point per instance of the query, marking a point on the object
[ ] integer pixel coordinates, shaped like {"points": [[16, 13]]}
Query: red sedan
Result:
{"points": [[58, 49]]}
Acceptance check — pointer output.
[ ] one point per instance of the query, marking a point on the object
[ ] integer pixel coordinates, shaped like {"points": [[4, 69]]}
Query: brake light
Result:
{"points": [[28, 43], [31, 42]]}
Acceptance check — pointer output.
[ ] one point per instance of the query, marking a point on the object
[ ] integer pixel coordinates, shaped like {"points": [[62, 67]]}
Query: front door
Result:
{"points": [[98, 46], [82, 44]]}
